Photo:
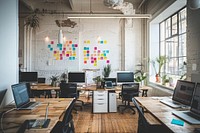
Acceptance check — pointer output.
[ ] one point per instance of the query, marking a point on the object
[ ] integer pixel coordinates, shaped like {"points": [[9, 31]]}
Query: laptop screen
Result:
{"points": [[20, 94], [2, 94], [183, 92], [195, 106]]}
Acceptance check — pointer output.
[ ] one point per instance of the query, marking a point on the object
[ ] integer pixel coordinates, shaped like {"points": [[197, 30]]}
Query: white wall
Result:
{"points": [[9, 46]]}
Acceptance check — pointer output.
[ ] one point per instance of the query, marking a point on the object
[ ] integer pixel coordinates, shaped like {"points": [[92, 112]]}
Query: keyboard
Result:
{"points": [[39, 123], [192, 115]]}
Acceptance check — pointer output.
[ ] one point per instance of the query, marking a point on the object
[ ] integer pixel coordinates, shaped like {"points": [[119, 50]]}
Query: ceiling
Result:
{"points": [[73, 6]]}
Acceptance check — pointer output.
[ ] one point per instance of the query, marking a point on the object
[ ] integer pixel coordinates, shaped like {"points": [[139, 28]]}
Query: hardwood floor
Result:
{"points": [[87, 122]]}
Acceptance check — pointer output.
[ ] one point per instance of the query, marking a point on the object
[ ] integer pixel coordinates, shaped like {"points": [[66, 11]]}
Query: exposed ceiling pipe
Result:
{"points": [[141, 4]]}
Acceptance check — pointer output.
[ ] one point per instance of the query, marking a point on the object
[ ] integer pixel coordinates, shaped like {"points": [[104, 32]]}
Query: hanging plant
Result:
{"points": [[33, 20]]}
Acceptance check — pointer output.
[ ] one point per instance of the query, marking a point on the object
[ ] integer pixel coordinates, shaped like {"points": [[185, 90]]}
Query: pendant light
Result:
{"points": [[60, 37], [194, 4]]}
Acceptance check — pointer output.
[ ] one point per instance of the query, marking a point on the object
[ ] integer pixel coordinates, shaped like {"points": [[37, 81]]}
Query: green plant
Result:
{"points": [[161, 60], [140, 76], [106, 71], [33, 20], [165, 79], [63, 76], [98, 79]]}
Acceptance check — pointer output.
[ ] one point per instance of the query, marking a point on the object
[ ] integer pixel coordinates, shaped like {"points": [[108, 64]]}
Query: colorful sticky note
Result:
{"points": [[88, 51], [60, 48], [57, 58], [85, 41], [101, 58], [73, 49], [74, 54], [84, 52], [105, 58], [104, 54], [99, 51], [108, 61], [88, 54], [85, 62], [105, 42], [54, 52], [107, 51], [73, 58], [101, 42], [76, 45], [95, 58], [95, 64], [61, 58], [67, 55], [49, 46], [92, 58], [67, 42], [51, 49], [92, 61], [95, 48], [64, 49], [88, 41], [52, 42], [70, 48], [73, 45], [70, 42]]}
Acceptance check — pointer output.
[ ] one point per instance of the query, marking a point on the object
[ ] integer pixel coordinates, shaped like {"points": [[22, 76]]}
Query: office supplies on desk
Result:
{"points": [[182, 95], [21, 97], [109, 84], [177, 122], [193, 115]]}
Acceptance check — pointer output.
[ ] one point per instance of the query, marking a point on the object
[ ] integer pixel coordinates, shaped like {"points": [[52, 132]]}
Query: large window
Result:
{"points": [[173, 44]]}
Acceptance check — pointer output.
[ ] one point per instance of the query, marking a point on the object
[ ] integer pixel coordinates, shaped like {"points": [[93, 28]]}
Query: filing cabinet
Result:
{"points": [[100, 101]]}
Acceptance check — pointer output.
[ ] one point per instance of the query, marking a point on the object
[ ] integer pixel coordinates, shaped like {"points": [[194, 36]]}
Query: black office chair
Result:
{"points": [[67, 124], [69, 90], [144, 126], [128, 92]]}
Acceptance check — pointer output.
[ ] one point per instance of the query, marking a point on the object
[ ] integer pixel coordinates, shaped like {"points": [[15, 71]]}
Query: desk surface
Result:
{"points": [[164, 114], [13, 119]]}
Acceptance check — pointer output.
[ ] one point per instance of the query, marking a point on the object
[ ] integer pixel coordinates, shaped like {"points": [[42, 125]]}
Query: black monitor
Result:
{"points": [[125, 77], [30, 77], [113, 80], [183, 92], [76, 77]]}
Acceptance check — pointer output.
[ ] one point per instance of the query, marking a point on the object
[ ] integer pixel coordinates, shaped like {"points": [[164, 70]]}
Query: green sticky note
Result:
{"points": [[177, 122]]}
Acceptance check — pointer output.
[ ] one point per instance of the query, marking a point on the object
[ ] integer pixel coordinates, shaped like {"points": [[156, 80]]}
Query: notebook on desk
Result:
{"points": [[182, 95], [192, 116], [21, 97]]}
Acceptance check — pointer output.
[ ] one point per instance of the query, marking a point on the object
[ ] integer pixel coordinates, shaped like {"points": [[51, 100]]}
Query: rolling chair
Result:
{"points": [[69, 90], [144, 126], [128, 92], [67, 124]]}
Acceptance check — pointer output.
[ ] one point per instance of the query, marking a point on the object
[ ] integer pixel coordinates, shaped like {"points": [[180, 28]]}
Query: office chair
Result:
{"points": [[30, 93], [144, 126], [69, 90], [128, 92], [67, 124]]}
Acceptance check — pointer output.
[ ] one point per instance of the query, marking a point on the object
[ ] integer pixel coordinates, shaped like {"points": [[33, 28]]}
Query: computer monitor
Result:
{"points": [[125, 77], [2, 94], [183, 92], [30, 77], [76, 77], [113, 80]]}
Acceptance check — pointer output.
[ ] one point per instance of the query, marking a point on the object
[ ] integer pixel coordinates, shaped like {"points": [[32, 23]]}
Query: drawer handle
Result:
{"points": [[100, 103], [100, 99], [100, 95]]}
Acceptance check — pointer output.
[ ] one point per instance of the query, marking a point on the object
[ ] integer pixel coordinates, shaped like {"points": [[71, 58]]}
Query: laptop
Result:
{"points": [[42, 123], [182, 95], [191, 116], [2, 94], [109, 84], [21, 97]]}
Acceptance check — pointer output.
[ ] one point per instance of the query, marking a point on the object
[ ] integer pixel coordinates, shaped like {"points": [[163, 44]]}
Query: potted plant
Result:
{"points": [[63, 77], [54, 80], [165, 79], [106, 71], [99, 82], [140, 77], [33, 20]]}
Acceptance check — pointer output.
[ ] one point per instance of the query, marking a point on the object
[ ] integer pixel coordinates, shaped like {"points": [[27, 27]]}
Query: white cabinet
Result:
{"points": [[100, 101]]}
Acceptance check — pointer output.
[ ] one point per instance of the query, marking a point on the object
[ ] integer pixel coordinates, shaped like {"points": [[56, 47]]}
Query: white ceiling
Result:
{"points": [[74, 6]]}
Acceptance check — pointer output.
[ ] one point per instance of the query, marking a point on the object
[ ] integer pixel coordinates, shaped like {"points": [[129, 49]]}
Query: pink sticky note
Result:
{"points": [[52, 42], [76, 45], [60, 54], [95, 48], [88, 51], [92, 61], [54, 52], [64, 49], [95, 58], [99, 51], [61, 58], [85, 62], [101, 58], [67, 55], [108, 61], [92, 58]]}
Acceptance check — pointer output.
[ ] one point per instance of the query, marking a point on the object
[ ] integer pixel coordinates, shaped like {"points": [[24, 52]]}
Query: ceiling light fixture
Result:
{"points": [[148, 16]]}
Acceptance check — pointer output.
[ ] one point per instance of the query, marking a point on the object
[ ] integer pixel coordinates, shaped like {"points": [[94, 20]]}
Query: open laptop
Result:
{"points": [[192, 116], [42, 123], [21, 97], [182, 95], [109, 84]]}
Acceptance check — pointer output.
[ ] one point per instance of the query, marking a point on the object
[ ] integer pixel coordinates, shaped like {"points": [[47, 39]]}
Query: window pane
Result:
{"points": [[182, 65], [172, 49], [182, 45], [168, 27], [162, 48], [173, 66], [174, 25], [182, 21]]}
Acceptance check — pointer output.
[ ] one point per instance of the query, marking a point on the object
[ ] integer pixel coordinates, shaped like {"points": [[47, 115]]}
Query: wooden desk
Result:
{"points": [[13, 120], [163, 113]]}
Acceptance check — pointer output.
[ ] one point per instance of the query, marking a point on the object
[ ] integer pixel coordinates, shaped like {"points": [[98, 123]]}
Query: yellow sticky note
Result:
{"points": [[105, 58], [99, 55], [105, 42], [74, 54], [84, 51], [57, 58], [85, 59], [95, 64], [102, 54], [88, 41], [99, 58]]}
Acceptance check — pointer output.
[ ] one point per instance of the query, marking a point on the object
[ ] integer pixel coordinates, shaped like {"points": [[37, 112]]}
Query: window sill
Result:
{"points": [[165, 88]]}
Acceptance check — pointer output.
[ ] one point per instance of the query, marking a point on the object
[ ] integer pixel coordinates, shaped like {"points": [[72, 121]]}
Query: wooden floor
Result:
{"points": [[87, 122]]}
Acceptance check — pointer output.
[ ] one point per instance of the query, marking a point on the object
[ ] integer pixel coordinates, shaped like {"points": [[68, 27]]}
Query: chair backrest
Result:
{"points": [[68, 90], [129, 91], [67, 119], [143, 125]]}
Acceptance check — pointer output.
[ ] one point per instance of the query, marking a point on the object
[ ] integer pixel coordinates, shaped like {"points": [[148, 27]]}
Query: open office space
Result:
{"points": [[100, 66]]}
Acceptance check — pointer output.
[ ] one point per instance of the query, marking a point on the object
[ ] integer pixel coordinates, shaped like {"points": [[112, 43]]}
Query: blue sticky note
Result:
{"points": [[73, 45], [88, 54], [60, 48], [88, 48], [101, 42], [73, 58], [73, 49], [177, 122], [51, 49], [104, 54], [70, 58], [107, 51], [49, 46]]}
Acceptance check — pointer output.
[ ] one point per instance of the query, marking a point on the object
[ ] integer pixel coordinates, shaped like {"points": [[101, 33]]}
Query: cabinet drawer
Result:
{"points": [[100, 108], [100, 100], [100, 93]]}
